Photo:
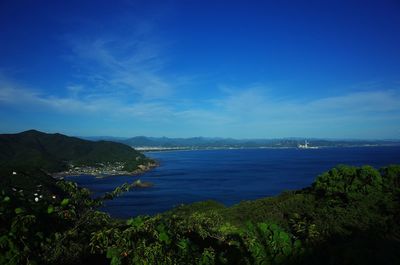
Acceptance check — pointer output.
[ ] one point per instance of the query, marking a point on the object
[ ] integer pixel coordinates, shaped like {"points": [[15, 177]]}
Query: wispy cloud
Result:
{"points": [[250, 109], [130, 65], [31, 100], [360, 102], [126, 77], [78, 102]]}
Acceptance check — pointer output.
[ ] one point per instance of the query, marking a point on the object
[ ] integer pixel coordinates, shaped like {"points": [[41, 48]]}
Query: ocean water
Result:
{"points": [[228, 176]]}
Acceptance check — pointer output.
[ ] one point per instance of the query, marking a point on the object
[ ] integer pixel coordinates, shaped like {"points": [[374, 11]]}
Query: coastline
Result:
{"points": [[107, 173], [260, 147]]}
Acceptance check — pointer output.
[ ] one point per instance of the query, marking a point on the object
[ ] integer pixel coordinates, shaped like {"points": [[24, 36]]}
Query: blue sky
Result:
{"points": [[242, 69]]}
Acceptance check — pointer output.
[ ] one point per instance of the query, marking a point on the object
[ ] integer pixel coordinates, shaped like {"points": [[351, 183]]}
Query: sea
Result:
{"points": [[228, 176]]}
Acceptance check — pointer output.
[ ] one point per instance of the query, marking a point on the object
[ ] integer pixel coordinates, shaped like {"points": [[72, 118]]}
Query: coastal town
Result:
{"points": [[104, 169]]}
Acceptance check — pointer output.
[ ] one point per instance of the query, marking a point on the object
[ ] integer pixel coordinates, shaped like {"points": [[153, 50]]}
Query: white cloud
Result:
{"points": [[248, 106], [31, 100], [251, 110], [75, 90], [369, 101], [131, 65], [254, 113]]}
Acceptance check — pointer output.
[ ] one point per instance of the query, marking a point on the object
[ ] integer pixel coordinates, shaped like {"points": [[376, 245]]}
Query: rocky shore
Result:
{"points": [[139, 184], [144, 168]]}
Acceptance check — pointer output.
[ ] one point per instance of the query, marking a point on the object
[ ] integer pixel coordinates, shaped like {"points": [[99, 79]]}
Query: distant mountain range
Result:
{"points": [[205, 142]]}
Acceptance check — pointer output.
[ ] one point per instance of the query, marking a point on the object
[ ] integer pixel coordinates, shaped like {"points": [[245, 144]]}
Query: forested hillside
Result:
{"points": [[348, 216], [54, 152]]}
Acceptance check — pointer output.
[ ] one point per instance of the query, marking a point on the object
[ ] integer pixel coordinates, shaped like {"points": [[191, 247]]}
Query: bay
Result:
{"points": [[228, 176]]}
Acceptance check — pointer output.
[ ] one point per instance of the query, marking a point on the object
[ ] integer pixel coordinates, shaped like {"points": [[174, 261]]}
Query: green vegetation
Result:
{"points": [[348, 216], [55, 152]]}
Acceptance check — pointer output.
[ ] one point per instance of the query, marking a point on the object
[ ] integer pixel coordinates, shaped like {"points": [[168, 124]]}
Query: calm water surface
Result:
{"points": [[229, 176]]}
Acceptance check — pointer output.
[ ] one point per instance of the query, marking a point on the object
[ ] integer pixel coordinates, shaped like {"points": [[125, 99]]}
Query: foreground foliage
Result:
{"points": [[348, 216]]}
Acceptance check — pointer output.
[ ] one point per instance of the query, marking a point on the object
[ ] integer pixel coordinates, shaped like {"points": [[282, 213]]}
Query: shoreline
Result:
{"points": [[140, 170], [263, 147]]}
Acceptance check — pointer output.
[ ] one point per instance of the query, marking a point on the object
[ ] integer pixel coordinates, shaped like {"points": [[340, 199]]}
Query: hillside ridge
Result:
{"points": [[57, 152]]}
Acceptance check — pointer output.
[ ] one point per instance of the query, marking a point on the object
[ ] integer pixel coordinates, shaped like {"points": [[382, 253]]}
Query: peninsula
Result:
{"points": [[61, 155]]}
